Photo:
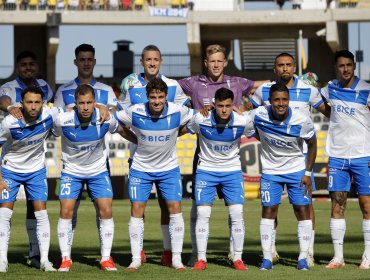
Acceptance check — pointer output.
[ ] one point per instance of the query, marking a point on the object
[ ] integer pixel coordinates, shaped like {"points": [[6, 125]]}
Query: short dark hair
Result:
{"points": [[150, 48], [278, 87], [156, 84], [33, 89], [344, 53], [224, 93], [83, 90], [25, 54], [284, 54], [84, 48]]}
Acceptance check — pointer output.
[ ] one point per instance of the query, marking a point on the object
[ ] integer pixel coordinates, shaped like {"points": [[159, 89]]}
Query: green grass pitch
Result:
{"points": [[85, 249]]}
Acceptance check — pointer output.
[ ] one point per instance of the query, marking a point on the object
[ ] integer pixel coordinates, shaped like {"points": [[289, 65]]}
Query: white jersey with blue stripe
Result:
{"points": [[349, 126], [282, 142], [83, 146], [13, 90], [23, 147], [219, 145], [133, 89], [104, 94], [156, 151], [301, 96]]}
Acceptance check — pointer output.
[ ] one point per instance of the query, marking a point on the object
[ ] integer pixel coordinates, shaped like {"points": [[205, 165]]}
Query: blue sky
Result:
{"points": [[102, 38]]}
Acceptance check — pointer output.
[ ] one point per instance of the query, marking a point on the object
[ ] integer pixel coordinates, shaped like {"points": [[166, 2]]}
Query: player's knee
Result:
{"points": [[137, 209], [236, 212], [204, 212], [302, 212], [174, 207], [66, 213], [105, 212]]}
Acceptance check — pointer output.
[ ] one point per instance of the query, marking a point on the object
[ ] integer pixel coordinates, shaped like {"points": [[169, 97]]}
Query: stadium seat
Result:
{"points": [[188, 161], [120, 154], [320, 143], [180, 153], [50, 162], [317, 119], [185, 137], [188, 170], [325, 119], [48, 154], [121, 146], [321, 135], [112, 145], [190, 145], [112, 154], [180, 145], [325, 127], [189, 153], [193, 136], [50, 145], [320, 153]]}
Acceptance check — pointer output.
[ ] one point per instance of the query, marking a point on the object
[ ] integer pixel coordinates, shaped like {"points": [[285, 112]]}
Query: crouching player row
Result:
{"points": [[83, 148]]}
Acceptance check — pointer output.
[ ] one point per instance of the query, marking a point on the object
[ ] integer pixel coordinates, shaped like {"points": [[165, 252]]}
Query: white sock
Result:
{"points": [[273, 240], [5, 218], [177, 231], [136, 232], [312, 243], [43, 234], [166, 237], [106, 234], [32, 237], [366, 232], [202, 230], [304, 237], [193, 221], [266, 233], [237, 229], [231, 245], [65, 237], [338, 230]]}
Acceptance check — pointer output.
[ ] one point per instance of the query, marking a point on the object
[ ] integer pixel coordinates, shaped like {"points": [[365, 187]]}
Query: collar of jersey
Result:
{"points": [[92, 82], [295, 85], [142, 80], [77, 121], [355, 82], [205, 79], [286, 122], [214, 123], [23, 86], [164, 113], [22, 124]]}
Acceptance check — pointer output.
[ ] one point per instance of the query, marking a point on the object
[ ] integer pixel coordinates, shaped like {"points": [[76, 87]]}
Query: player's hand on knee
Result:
{"points": [[3, 186]]}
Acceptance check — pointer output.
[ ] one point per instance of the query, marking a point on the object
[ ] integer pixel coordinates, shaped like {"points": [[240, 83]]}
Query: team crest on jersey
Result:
{"points": [[4, 91], [201, 184], [8, 182], [265, 186], [334, 170], [67, 179]]}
